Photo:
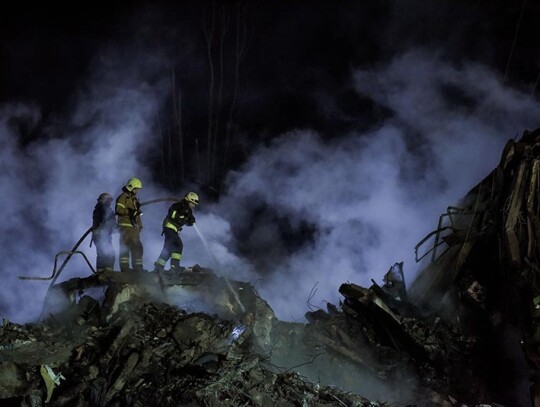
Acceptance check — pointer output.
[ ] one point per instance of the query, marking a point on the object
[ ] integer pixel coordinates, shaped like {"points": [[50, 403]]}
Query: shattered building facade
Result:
{"points": [[464, 333]]}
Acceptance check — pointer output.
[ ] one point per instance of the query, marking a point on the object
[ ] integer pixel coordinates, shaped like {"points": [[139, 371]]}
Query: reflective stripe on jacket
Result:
{"points": [[127, 209], [179, 214]]}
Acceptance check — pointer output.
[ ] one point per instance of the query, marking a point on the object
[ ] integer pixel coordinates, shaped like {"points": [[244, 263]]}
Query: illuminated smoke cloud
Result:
{"points": [[351, 205], [371, 197]]}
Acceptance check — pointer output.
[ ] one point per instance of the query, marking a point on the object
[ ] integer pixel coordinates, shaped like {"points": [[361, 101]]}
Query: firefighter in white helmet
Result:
{"points": [[128, 210], [103, 225], [180, 214]]}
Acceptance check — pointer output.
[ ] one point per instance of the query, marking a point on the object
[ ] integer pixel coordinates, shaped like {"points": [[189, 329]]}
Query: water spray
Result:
{"points": [[216, 262]]}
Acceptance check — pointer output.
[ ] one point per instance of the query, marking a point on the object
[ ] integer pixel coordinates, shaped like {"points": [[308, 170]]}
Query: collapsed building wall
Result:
{"points": [[467, 327], [135, 347], [497, 220], [485, 275]]}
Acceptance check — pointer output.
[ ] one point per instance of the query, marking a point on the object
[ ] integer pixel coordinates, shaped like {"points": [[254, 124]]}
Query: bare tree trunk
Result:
{"points": [[174, 109], [240, 50], [180, 135], [223, 34], [209, 35], [197, 161], [222, 94], [177, 118], [514, 41], [163, 167], [172, 180], [535, 84]]}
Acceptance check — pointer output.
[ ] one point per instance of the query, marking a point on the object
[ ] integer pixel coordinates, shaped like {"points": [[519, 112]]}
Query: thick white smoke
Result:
{"points": [[371, 197], [367, 197], [50, 186]]}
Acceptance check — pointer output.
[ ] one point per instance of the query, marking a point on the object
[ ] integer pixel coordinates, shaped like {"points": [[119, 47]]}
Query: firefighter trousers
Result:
{"points": [[104, 251], [172, 248], [131, 246]]}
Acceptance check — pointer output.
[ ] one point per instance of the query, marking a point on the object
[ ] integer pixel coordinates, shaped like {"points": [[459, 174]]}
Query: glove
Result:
{"points": [[190, 221]]}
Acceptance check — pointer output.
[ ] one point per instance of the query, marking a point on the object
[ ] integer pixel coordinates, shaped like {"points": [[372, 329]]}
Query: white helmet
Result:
{"points": [[192, 197]]}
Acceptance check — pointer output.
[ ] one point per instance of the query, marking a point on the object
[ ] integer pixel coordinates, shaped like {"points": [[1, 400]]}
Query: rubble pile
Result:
{"points": [[148, 354], [465, 333], [410, 357]]}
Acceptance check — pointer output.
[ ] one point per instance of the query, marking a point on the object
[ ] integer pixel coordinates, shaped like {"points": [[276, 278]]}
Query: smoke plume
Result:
{"points": [[306, 212]]}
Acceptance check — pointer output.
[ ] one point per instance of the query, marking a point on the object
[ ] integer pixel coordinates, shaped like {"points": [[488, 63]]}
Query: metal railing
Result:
{"points": [[451, 211]]}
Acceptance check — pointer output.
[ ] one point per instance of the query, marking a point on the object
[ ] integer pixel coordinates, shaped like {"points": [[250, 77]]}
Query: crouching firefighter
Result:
{"points": [[180, 214], [103, 226], [128, 210]]}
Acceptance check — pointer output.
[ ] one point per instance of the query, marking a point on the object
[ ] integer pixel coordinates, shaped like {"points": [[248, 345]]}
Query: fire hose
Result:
{"points": [[56, 273]]}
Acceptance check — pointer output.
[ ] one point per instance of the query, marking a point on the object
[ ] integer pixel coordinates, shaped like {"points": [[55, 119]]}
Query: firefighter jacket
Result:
{"points": [[103, 219], [179, 215], [128, 210]]}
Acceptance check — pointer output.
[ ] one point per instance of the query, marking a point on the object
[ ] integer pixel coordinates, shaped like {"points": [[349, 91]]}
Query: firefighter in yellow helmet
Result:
{"points": [[103, 225], [128, 210], [180, 214]]}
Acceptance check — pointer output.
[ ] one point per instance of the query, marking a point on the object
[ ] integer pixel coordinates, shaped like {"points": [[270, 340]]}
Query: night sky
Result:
{"points": [[298, 59], [325, 138]]}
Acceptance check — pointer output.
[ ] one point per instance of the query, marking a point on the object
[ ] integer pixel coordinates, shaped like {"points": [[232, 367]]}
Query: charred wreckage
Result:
{"points": [[466, 332]]}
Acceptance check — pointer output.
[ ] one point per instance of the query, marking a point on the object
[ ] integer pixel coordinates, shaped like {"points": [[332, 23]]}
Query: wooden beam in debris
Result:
{"points": [[366, 296], [511, 226], [369, 303], [533, 222]]}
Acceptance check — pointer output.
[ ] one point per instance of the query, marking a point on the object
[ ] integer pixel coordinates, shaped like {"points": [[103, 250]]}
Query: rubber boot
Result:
{"points": [[175, 265]]}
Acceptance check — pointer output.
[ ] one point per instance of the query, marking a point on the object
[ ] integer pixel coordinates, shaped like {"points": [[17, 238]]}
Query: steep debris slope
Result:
{"points": [[383, 347]]}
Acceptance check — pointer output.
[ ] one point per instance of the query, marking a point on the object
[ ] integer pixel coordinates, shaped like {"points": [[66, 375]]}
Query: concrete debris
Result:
{"points": [[466, 332], [137, 347], [150, 354], [12, 379]]}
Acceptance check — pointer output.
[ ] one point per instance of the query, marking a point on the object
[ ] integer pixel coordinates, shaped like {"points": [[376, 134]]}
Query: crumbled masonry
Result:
{"points": [[139, 352], [465, 333]]}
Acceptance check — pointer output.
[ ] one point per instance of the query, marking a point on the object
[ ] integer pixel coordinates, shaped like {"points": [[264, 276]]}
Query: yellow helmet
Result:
{"points": [[192, 197], [133, 183]]}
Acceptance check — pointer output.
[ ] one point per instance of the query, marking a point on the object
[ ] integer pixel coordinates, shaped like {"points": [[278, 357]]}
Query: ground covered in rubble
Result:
{"points": [[128, 349], [149, 355]]}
